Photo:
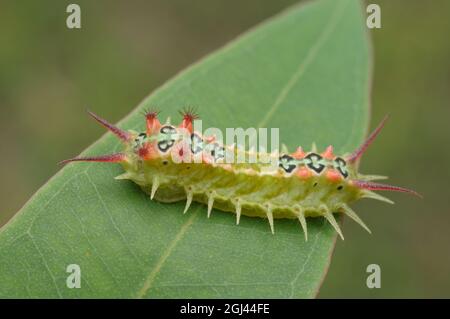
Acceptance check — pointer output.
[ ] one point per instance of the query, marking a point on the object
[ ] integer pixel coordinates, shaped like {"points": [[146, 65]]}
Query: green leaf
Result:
{"points": [[305, 71]]}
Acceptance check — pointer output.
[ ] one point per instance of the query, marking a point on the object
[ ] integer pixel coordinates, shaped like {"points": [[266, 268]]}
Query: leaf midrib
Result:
{"points": [[310, 56], [160, 263]]}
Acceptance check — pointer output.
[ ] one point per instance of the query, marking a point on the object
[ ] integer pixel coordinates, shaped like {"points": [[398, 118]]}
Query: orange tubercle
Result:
{"points": [[328, 154], [304, 173], [333, 175], [148, 152], [188, 118], [206, 158], [210, 139], [298, 154], [153, 124], [187, 124]]}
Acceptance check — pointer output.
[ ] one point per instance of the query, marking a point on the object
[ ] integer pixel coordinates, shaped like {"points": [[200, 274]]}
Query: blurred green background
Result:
{"points": [[124, 50]]}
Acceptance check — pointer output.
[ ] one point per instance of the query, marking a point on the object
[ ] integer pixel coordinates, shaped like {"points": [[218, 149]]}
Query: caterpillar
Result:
{"points": [[302, 184]]}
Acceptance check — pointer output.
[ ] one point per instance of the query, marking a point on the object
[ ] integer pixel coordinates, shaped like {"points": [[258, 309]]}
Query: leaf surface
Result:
{"points": [[306, 71]]}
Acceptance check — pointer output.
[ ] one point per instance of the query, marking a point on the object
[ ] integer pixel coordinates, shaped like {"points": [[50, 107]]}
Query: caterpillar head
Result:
{"points": [[157, 139]]}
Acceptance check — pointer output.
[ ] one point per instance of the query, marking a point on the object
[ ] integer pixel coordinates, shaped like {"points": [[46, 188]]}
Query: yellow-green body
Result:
{"points": [[176, 163]]}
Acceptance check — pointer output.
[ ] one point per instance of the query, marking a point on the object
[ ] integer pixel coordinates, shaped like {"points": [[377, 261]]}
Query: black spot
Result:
{"points": [[196, 143], [140, 137], [341, 166], [287, 163], [315, 184], [340, 187], [167, 129], [165, 162], [164, 146], [312, 162], [218, 151]]}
